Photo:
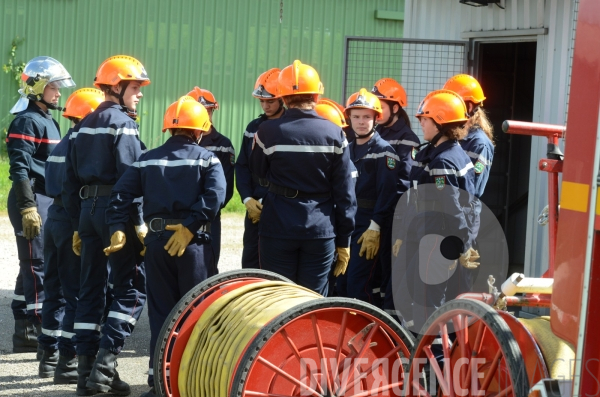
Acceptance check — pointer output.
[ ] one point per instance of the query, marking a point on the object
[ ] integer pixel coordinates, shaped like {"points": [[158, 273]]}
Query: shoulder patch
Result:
{"points": [[479, 167], [390, 162], [232, 158], [413, 153], [440, 182]]}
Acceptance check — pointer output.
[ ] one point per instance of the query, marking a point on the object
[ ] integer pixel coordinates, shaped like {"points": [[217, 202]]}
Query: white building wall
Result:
{"points": [[551, 23]]}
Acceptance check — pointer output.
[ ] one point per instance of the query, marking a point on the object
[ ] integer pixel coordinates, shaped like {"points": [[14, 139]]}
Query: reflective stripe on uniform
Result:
{"points": [[52, 332], [56, 159], [414, 163], [249, 134], [121, 316], [403, 142], [105, 130], [449, 171], [379, 155], [151, 371], [19, 298], [176, 163], [354, 174], [32, 138], [34, 306], [89, 326], [220, 149], [67, 335], [301, 148], [479, 157]]}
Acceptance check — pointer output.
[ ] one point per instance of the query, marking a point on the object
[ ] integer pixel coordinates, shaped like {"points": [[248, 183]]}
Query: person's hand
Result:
{"points": [[32, 223], [370, 243], [76, 244], [469, 259], [396, 247], [117, 242], [342, 260], [254, 209], [179, 240], [141, 232]]}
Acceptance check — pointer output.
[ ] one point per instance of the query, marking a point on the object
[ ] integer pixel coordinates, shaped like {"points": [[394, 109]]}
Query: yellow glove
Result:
{"points": [[342, 261], [179, 240], [469, 258], [76, 244], [32, 223], [141, 232], [396, 247], [370, 243], [254, 209], [117, 241]]}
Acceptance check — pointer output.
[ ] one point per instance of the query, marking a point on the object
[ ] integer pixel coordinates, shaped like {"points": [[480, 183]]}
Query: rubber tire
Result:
{"points": [[278, 322], [186, 300], [501, 331]]}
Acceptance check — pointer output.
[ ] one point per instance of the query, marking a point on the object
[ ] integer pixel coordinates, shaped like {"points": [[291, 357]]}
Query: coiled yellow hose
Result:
{"points": [[226, 328]]}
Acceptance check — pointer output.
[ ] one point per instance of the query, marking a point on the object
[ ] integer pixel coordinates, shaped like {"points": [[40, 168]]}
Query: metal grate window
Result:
{"points": [[421, 66]]}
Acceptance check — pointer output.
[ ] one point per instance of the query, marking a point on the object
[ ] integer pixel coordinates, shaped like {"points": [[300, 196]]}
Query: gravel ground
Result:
{"points": [[18, 372]]}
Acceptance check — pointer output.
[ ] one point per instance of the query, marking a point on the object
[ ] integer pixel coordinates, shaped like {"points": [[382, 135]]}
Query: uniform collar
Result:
{"points": [[472, 132], [397, 126], [435, 151], [111, 104], [32, 107], [213, 136], [181, 138], [296, 113]]}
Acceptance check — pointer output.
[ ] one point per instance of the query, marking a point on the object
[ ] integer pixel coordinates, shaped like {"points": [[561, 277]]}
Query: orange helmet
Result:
{"points": [[467, 87], [83, 102], [297, 79], [331, 111], [121, 68], [363, 99], [443, 106], [266, 85], [390, 90], [205, 97], [188, 113]]}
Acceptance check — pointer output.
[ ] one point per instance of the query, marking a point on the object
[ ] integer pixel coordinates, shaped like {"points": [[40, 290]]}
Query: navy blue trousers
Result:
{"points": [[250, 251], [305, 262], [169, 278], [61, 284], [215, 233], [129, 280], [29, 287]]}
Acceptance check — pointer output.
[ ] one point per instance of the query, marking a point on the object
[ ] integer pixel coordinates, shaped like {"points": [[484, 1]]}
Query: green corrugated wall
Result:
{"points": [[220, 45]]}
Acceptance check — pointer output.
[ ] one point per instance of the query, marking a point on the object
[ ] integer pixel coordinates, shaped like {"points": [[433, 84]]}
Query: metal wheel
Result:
{"points": [[325, 347], [478, 354], [178, 326]]}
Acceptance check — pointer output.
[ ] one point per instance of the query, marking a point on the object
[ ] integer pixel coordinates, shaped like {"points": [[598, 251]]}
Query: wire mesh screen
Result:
{"points": [[420, 66]]}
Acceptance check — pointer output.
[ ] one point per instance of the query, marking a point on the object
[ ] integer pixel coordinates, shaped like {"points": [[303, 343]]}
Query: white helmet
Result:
{"points": [[38, 73]]}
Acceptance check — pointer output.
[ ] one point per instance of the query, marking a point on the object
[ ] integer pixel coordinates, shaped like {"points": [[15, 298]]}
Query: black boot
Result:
{"points": [[105, 378], [66, 371], [149, 393], [24, 338], [84, 368], [48, 363]]}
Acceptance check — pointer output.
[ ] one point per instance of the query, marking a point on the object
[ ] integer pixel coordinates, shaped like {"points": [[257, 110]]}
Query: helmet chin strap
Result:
{"points": [[131, 113], [51, 105]]}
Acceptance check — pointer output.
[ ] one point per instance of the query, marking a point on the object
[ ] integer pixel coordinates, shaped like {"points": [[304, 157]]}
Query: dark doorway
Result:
{"points": [[506, 72]]}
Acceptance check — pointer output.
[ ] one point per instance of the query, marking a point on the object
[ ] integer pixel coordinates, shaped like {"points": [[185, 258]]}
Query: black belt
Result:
{"points": [[58, 201], [366, 204], [260, 181], [88, 191], [293, 193], [157, 225]]}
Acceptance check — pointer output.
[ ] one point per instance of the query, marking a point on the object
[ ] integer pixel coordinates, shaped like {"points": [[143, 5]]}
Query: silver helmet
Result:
{"points": [[38, 73]]}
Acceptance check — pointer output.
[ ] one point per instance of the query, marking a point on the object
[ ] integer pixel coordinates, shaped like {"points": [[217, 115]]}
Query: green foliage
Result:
{"points": [[15, 69], [5, 185]]}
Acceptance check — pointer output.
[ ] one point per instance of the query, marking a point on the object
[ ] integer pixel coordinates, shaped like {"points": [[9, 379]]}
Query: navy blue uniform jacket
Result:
{"points": [[32, 135], [55, 176], [405, 142], [248, 186], [481, 151], [178, 180], [221, 146], [102, 146], [376, 178], [303, 151]]}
